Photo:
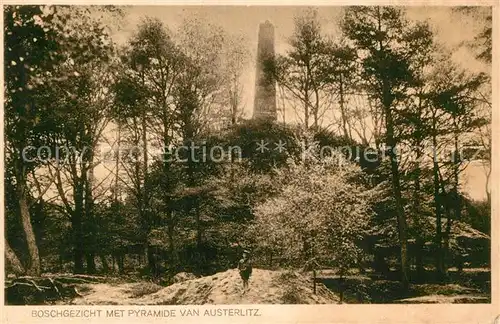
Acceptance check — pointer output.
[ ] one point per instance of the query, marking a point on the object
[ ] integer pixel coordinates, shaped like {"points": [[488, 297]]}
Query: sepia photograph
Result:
{"points": [[246, 155]]}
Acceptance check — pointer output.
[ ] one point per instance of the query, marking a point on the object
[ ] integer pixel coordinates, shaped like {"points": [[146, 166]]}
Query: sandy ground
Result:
{"points": [[265, 287], [442, 299]]}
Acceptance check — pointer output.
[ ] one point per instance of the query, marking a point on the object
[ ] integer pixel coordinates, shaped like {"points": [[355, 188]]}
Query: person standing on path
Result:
{"points": [[245, 268]]}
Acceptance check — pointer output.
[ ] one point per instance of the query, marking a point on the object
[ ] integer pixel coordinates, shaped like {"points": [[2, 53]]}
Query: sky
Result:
{"points": [[451, 30]]}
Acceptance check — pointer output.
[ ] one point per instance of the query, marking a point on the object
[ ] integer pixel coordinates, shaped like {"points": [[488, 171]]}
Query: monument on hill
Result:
{"points": [[265, 87]]}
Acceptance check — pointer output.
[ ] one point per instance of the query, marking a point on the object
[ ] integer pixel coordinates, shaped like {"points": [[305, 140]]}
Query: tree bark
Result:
{"points": [[33, 268], [387, 99], [13, 260], [455, 198], [456, 170], [90, 217], [419, 241], [306, 105], [440, 269], [121, 263], [105, 265], [91, 267], [77, 228], [419, 259], [342, 108], [144, 201], [171, 244], [117, 194], [316, 108], [396, 186], [152, 264]]}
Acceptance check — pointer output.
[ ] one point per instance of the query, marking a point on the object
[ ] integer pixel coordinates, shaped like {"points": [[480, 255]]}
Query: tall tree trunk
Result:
{"points": [[90, 220], [25, 104], [151, 257], [171, 244], [456, 184], [90, 258], [77, 228], [13, 261], [104, 261], [121, 263], [234, 101], [171, 214], [440, 269], [78, 251], [117, 195], [396, 186], [33, 268], [306, 106], [419, 259], [419, 242], [152, 264], [316, 108], [117, 165], [342, 108], [193, 202], [456, 199], [446, 200]]}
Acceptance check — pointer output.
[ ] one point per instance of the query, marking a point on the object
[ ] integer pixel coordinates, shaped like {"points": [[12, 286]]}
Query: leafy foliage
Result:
{"points": [[319, 214]]}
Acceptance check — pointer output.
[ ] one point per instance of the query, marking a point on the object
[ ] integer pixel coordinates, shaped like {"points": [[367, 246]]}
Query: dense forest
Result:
{"points": [[409, 120]]}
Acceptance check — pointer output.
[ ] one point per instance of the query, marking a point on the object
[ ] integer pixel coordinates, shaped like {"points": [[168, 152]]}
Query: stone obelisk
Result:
{"points": [[265, 86]]}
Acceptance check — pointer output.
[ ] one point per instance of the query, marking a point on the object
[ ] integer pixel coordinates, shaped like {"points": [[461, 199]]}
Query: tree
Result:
{"points": [[482, 46], [482, 42], [31, 49], [81, 106], [301, 72], [414, 123], [199, 99], [152, 66], [341, 74], [387, 45], [454, 94], [173, 87], [318, 214], [237, 56]]}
